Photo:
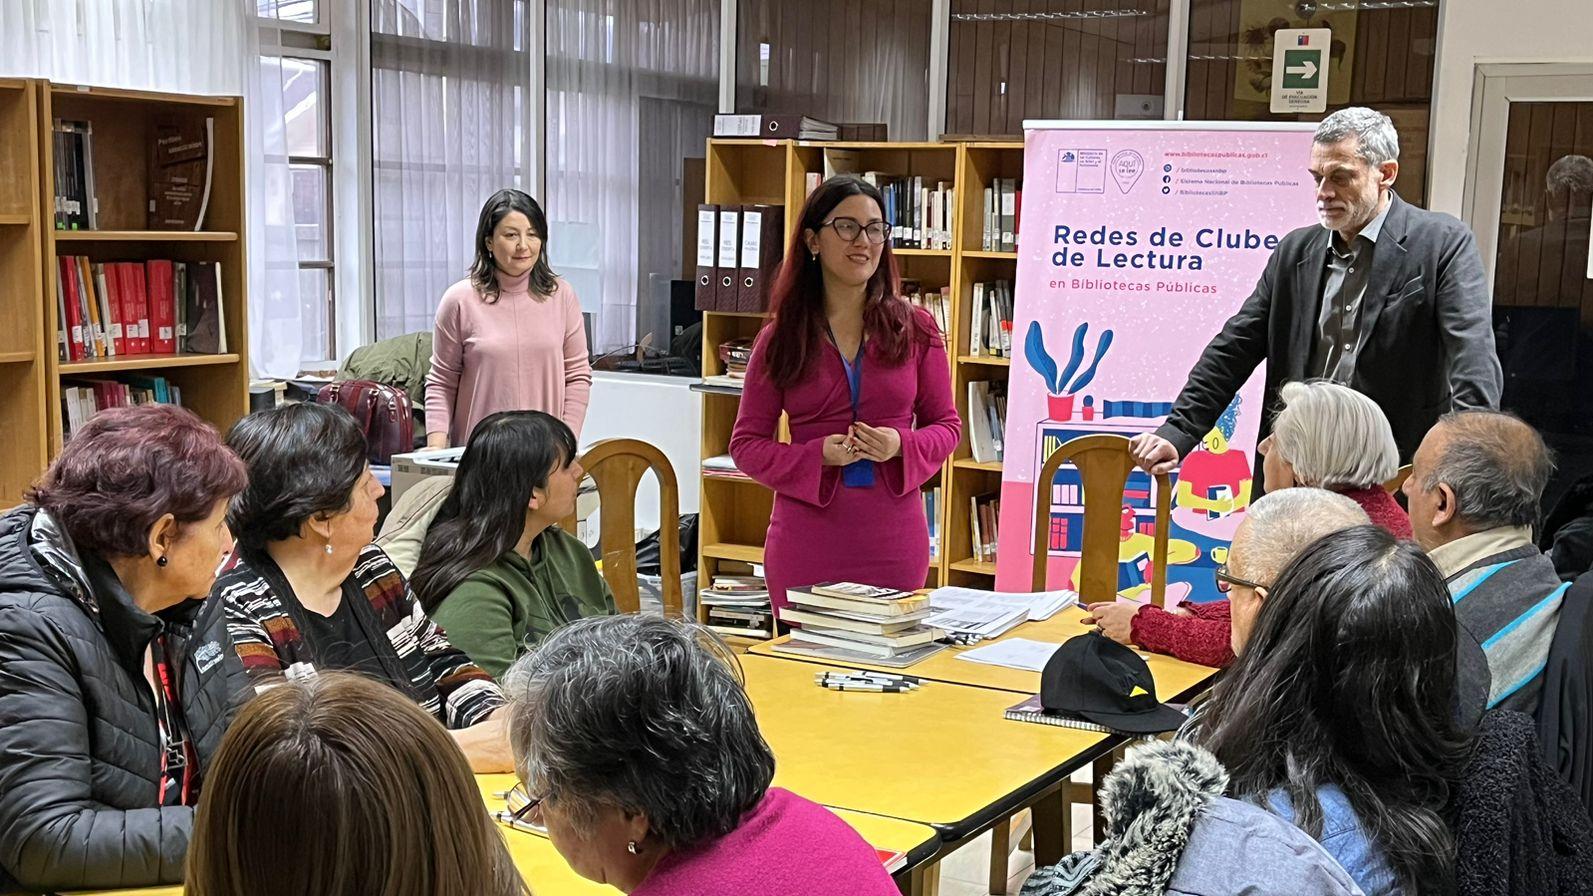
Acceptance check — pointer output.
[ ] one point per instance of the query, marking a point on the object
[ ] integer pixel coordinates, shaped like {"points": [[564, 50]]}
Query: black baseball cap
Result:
{"points": [[1099, 680]]}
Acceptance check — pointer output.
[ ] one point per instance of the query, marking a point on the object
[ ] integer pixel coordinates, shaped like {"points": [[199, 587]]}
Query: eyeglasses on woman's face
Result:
{"points": [[1227, 581], [848, 229]]}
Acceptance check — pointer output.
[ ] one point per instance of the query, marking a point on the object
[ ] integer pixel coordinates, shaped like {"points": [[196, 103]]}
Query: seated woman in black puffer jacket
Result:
{"points": [[115, 686]]}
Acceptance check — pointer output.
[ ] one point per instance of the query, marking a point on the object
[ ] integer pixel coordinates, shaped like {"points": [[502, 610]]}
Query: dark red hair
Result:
{"points": [[796, 333], [127, 467]]}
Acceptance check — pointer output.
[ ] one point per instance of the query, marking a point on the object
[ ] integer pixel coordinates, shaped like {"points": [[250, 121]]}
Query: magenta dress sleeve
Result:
{"points": [[795, 471], [936, 426]]}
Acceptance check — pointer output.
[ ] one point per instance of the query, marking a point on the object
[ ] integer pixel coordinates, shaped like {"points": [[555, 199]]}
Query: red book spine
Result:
{"points": [[135, 272], [74, 320], [124, 292], [162, 313], [106, 283]]}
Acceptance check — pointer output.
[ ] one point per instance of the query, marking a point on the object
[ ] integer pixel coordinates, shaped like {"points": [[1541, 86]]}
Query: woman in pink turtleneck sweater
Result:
{"points": [[510, 336]]}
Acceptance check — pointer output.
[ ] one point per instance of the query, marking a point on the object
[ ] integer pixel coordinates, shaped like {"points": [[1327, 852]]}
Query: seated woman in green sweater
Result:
{"points": [[496, 572]]}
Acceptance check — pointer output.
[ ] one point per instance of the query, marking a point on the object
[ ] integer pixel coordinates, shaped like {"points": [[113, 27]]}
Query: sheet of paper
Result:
{"points": [[1013, 653], [1039, 605], [986, 621]]}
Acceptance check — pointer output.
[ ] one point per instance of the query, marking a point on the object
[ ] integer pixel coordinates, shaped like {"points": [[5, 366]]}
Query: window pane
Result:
{"points": [[289, 10], [309, 212], [1381, 55], [304, 106], [1008, 60], [842, 61], [315, 292]]}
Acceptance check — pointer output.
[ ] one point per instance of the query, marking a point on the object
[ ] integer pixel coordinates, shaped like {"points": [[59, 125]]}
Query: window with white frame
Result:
{"points": [[308, 130]]}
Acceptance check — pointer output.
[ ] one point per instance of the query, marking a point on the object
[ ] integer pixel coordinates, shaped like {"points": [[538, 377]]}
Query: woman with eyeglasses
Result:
{"points": [[338, 784], [864, 379]]}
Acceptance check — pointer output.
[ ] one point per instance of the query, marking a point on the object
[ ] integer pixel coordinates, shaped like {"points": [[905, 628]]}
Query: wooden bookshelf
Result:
{"points": [[977, 165], [216, 387], [24, 441]]}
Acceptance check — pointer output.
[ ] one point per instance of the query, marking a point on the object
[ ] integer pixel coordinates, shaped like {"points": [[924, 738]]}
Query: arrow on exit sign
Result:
{"points": [[1306, 70]]}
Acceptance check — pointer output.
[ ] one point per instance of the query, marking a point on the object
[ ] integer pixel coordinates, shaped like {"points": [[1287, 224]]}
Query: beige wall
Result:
{"points": [[1480, 31]]}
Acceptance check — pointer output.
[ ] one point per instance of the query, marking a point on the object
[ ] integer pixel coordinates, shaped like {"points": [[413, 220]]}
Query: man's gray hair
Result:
{"points": [[1570, 175], [1334, 437], [640, 713], [1496, 464], [1281, 524], [1379, 142]]}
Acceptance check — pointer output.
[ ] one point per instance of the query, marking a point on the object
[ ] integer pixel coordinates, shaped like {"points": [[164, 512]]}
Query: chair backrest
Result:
{"points": [[1392, 486], [1104, 464], [617, 466]]}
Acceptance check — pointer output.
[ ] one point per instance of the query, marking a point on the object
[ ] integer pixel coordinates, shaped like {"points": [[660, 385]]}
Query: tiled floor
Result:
{"points": [[966, 872]]}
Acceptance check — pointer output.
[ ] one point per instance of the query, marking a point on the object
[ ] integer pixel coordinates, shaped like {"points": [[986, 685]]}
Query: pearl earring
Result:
{"points": [[632, 847], [329, 549]]}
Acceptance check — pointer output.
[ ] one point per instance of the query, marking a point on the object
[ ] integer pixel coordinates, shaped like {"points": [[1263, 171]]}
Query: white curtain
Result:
{"points": [[183, 46], [450, 99], [277, 343], [611, 66]]}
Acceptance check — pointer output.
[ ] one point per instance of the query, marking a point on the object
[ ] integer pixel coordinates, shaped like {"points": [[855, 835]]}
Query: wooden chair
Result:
{"points": [[1104, 465], [1393, 486], [617, 467]]}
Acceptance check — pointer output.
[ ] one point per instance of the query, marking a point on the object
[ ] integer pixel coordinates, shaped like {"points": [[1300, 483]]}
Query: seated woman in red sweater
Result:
{"points": [[1326, 436], [1276, 528]]}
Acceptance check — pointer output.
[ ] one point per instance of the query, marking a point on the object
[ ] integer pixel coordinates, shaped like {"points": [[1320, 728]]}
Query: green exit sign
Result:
{"points": [[1302, 69]]}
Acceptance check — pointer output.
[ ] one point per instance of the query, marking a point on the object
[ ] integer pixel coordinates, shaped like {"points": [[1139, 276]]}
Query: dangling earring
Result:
{"points": [[813, 256], [631, 847], [329, 549]]}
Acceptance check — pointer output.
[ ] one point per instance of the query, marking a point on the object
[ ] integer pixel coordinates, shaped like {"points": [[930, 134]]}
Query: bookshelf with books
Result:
{"points": [[144, 295], [24, 440], [989, 175]]}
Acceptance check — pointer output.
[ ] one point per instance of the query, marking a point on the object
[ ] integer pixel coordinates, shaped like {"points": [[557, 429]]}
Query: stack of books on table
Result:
{"points": [[738, 606], [859, 622]]}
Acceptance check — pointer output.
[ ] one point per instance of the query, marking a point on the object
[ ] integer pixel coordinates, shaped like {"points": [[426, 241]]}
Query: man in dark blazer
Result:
{"points": [[1383, 297]]}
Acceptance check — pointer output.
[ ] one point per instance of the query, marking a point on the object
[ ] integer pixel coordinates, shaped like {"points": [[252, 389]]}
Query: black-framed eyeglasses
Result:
{"points": [[1225, 581], [848, 229], [519, 818]]}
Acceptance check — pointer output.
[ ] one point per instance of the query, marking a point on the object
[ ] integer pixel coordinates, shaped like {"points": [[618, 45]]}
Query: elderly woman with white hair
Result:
{"points": [[640, 753], [1333, 437]]}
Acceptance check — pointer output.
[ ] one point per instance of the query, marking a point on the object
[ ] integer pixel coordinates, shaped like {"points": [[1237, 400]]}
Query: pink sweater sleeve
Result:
{"points": [[796, 471], [936, 426], [577, 365], [447, 363], [1204, 638]]}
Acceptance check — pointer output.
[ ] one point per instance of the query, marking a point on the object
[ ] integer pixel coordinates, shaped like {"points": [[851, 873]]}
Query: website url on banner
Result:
{"points": [[1216, 155]]}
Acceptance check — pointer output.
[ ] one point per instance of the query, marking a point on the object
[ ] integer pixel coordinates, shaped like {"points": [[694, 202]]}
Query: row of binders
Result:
{"points": [[776, 127], [119, 308], [1003, 213], [987, 420], [990, 329], [83, 398], [739, 248], [72, 148]]}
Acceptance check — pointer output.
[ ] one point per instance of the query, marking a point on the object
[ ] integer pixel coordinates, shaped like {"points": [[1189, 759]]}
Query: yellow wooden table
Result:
{"points": [[1175, 679], [548, 874]]}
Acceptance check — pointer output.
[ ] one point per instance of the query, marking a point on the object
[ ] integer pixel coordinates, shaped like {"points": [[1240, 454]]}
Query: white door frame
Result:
{"points": [[1498, 85]]}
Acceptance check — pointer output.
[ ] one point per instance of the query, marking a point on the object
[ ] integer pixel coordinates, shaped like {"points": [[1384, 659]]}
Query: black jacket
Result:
{"points": [[80, 756], [1427, 331], [1567, 700], [1519, 830]]}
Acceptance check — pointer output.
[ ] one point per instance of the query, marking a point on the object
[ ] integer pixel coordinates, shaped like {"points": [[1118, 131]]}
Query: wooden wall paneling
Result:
{"points": [[1420, 65], [1034, 70], [983, 35], [1051, 70], [1195, 72], [1018, 68]]}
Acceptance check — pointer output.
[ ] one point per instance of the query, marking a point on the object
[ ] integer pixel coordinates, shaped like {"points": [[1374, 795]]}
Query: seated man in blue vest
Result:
{"points": [[1473, 492]]}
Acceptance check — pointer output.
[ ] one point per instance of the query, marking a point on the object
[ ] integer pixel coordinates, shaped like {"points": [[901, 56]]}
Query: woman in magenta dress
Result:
{"points": [[864, 379]]}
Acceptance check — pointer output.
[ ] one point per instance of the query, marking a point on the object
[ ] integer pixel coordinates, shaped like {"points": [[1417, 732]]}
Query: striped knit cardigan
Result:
{"points": [[417, 655]]}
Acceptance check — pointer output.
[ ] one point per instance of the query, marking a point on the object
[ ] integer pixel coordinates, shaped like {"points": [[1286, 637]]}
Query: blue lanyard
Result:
{"points": [[860, 473]]}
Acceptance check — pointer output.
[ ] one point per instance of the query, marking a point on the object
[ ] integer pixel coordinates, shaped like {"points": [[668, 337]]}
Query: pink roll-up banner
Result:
{"points": [[1137, 242]]}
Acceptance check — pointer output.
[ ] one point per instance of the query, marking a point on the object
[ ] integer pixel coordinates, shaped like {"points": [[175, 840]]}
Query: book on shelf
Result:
{"points": [[181, 163], [72, 151], [984, 514], [987, 416], [725, 381], [990, 316], [115, 308], [723, 466], [774, 127], [82, 398], [1002, 214], [936, 301], [734, 354], [920, 213], [932, 503], [738, 606]]}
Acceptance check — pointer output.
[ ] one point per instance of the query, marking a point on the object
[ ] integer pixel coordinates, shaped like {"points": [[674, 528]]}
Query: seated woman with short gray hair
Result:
{"points": [[1333, 437], [641, 754]]}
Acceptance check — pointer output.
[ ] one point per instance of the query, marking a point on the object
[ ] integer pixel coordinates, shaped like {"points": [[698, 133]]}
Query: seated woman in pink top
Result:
{"points": [[864, 379], [510, 336], [641, 755]]}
